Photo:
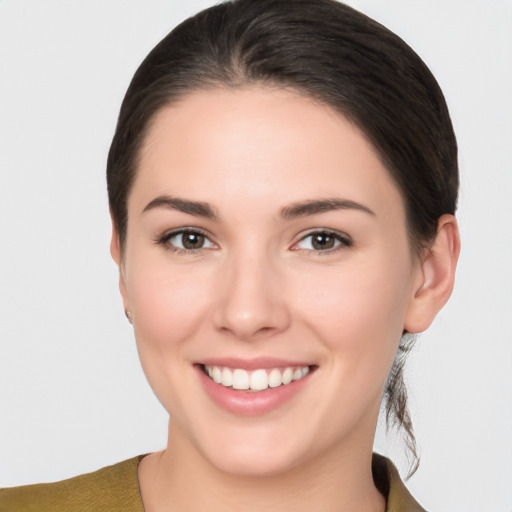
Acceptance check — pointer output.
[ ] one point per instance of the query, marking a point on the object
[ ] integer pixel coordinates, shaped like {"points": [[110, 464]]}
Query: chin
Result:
{"points": [[254, 463], [249, 448]]}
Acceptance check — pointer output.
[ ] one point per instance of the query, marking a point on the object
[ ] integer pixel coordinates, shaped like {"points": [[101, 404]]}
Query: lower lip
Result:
{"points": [[250, 403]]}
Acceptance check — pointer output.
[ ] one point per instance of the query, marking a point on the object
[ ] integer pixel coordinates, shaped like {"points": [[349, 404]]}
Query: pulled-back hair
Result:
{"points": [[326, 51]]}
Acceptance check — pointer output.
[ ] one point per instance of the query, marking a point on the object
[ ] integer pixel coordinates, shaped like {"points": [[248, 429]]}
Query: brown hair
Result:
{"points": [[327, 51]]}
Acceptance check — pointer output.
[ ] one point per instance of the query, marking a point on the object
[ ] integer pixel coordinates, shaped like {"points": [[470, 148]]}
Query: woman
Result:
{"points": [[282, 184]]}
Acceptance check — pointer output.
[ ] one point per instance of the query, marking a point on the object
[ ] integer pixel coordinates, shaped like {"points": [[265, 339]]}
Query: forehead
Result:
{"points": [[258, 143]]}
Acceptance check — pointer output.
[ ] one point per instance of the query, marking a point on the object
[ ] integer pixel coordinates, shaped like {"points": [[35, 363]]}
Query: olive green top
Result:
{"points": [[116, 489]]}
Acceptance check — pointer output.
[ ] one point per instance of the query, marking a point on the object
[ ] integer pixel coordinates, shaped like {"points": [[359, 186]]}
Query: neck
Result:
{"points": [[180, 478]]}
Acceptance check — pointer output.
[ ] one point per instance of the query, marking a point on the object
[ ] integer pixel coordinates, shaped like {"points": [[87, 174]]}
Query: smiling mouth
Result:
{"points": [[256, 380]]}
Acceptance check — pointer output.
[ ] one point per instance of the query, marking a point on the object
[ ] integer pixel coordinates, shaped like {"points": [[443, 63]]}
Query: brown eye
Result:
{"points": [[191, 240], [187, 240], [323, 241]]}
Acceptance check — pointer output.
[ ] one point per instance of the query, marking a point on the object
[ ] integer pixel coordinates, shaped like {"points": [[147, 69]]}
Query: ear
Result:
{"points": [[117, 255], [436, 276]]}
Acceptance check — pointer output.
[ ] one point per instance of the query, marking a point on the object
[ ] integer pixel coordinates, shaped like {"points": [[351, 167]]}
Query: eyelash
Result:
{"points": [[165, 241], [341, 240]]}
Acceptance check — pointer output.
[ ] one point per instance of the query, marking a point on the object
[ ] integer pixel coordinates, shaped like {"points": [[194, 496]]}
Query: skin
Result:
{"points": [[258, 287]]}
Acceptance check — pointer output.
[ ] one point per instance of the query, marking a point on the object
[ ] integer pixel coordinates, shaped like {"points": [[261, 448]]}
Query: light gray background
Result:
{"points": [[72, 395]]}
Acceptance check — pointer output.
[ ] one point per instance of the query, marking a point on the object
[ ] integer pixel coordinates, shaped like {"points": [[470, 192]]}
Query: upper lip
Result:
{"points": [[253, 363]]}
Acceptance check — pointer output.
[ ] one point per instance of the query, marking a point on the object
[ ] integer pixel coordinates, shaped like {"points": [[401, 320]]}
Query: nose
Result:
{"points": [[251, 303]]}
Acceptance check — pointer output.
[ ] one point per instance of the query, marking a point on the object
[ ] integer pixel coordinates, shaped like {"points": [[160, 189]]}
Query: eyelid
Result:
{"points": [[166, 236], [344, 240]]}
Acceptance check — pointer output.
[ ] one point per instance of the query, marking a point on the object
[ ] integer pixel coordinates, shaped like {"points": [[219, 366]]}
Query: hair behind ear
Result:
{"points": [[395, 398], [433, 288]]}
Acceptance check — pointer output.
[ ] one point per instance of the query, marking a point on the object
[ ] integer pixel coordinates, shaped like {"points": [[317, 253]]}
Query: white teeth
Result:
{"points": [[227, 377], [287, 376], [216, 374], [240, 379], [274, 378], [257, 380]]}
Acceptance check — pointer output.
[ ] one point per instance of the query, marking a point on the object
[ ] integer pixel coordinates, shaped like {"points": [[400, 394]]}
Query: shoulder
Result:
{"points": [[388, 481], [111, 488]]}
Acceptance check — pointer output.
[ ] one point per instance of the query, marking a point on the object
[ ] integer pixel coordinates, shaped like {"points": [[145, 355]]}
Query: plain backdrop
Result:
{"points": [[72, 395]]}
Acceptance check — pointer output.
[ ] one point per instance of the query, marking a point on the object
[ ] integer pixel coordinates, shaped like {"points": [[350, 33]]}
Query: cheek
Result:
{"points": [[358, 318], [167, 307], [167, 304], [358, 313]]}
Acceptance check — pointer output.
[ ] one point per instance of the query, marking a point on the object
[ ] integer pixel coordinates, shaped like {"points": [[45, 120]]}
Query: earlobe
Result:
{"points": [[437, 269]]}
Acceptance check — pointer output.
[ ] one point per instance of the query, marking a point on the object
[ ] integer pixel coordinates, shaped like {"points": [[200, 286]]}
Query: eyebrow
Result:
{"points": [[292, 211], [315, 206], [197, 208]]}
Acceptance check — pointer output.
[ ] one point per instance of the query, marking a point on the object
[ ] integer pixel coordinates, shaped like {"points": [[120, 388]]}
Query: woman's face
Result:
{"points": [[266, 247]]}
